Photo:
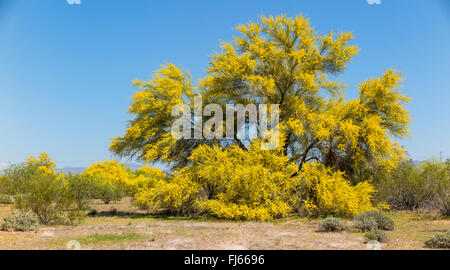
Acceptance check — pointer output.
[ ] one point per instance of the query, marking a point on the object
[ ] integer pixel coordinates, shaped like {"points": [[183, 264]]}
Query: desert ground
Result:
{"points": [[121, 226]]}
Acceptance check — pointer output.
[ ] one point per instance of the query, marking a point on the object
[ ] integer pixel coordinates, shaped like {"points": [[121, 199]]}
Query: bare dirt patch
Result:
{"points": [[121, 226]]}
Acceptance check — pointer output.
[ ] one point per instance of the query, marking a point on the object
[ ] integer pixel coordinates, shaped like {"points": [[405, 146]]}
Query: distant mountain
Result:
{"points": [[77, 170], [71, 170]]}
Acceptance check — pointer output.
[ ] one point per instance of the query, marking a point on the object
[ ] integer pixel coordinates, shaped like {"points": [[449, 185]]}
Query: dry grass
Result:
{"points": [[121, 226]]}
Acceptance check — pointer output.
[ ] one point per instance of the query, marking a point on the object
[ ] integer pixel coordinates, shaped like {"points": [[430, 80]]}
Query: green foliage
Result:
{"points": [[425, 186], [385, 223], [331, 224], [376, 235], [439, 240], [37, 187], [48, 197], [20, 221], [365, 223], [106, 190], [81, 189], [371, 220], [15, 177]]}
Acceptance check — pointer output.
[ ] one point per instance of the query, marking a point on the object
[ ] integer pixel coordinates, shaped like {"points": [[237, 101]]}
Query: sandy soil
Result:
{"points": [[120, 226]]}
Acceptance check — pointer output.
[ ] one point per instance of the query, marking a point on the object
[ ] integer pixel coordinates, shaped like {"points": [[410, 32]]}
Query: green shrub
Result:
{"points": [[7, 199], [81, 188], [411, 187], [331, 224], [376, 235], [20, 221], [53, 197], [15, 177], [384, 222], [107, 190], [365, 223], [439, 240], [47, 196], [371, 220]]}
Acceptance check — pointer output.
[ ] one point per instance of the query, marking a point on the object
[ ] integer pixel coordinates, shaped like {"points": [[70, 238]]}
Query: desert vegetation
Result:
{"points": [[337, 159], [44, 200]]}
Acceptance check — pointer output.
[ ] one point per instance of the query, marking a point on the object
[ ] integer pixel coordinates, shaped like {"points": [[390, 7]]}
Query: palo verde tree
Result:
{"points": [[278, 60]]}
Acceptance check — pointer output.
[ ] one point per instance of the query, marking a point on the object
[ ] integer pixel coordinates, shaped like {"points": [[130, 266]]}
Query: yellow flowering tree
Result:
{"points": [[42, 162], [276, 60], [17, 176], [111, 169], [149, 137], [279, 60], [254, 184], [110, 179]]}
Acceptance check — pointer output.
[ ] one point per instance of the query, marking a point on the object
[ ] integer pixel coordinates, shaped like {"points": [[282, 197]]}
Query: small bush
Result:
{"points": [[331, 224], [17, 176], [39, 188], [376, 235], [81, 189], [47, 195], [383, 221], [6, 199], [107, 190], [439, 240], [365, 223], [370, 220], [20, 221]]}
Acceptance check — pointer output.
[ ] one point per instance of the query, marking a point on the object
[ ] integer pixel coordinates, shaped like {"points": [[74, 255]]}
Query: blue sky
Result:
{"points": [[66, 70]]}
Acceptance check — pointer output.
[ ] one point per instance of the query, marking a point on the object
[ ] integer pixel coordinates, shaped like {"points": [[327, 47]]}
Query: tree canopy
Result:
{"points": [[278, 60]]}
